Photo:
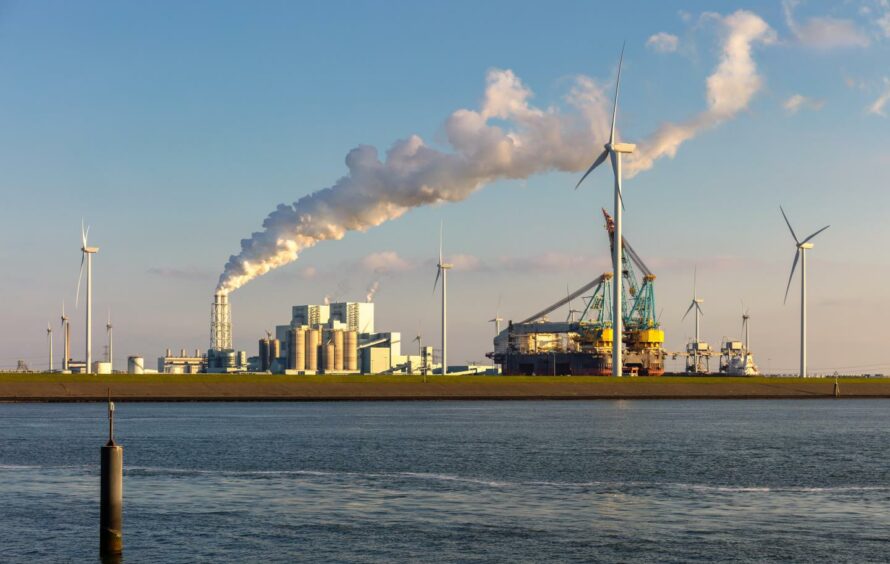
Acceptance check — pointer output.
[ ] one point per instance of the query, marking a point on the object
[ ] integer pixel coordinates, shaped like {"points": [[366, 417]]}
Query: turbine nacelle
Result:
{"points": [[805, 246], [620, 147]]}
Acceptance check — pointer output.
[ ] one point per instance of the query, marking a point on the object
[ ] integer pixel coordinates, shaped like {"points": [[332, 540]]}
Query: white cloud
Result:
{"points": [[464, 262], [884, 23], [823, 32], [663, 42], [385, 261], [730, 88], [798, 102], [877, 107]]}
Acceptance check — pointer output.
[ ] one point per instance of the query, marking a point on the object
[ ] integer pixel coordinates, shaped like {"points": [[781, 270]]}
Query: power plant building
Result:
{"points": [[337, 338]]}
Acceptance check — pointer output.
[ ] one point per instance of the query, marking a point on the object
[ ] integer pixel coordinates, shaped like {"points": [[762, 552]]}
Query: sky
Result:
{"points": [[175, 129]]}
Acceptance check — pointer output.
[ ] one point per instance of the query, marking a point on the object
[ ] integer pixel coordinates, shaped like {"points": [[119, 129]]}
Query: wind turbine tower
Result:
{"points": [[87, 256], [697, 351], [442, 270], [613, 151], [110, 337], [801, 253], [66, 339], [49, 336]]}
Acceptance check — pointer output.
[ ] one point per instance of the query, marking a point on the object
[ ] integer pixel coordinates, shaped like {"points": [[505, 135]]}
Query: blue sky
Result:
{"points": [[174, 129]]}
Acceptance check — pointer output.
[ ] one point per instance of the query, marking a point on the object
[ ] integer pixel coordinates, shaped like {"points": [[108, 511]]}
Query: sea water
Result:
{"points": [[507, 481]]}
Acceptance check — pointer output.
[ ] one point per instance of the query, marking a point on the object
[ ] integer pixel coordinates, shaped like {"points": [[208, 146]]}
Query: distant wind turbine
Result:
{"points": [[497, 318], [800, 253], [695, 304], [66, 339], [87, 256], [110, 337], [614, 150], [442, 270], [49, 336]]}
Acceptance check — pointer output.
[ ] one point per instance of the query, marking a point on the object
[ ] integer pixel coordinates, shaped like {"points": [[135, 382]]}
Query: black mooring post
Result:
{"points": [[111, 496]]}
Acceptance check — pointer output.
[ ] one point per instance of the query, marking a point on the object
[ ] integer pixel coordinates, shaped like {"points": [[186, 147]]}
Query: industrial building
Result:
{"points": [[184, 363], [338, 338]]}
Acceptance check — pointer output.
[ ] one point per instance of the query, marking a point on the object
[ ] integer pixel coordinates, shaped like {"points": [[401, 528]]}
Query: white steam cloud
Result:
{"points": [[526, 140], [730, 89]]}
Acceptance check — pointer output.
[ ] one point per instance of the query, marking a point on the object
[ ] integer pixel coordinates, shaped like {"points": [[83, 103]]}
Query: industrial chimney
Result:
{"points": [[220, 323]]}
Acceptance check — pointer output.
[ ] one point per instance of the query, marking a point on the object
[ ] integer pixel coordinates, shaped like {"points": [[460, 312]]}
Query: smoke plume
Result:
{"points": [[506, 138], [730, 89]]}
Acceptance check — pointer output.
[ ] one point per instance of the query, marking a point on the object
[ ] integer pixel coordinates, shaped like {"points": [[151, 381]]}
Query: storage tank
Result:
{"points": [[313, 339], [329, 356], [135, 365], [274, 351], [291, 336], [350, 354], [300, 348], [338, 350], [264, 354]]}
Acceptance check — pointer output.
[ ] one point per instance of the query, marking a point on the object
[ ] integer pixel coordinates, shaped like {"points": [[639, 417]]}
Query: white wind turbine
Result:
{"points": [[442, 270], [66, 339], [614, 150], [49, 336], [110, 336], [695, 304], [497, 318], [87, 256], [746, 315], [800, 253]]}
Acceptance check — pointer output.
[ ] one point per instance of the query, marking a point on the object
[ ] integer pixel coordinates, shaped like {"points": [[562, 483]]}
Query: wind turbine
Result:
{"points": [[745, 317], [695, 304], [49, 336], [497, 318], [110, 336], [613, 150], [66, 336], [695, 348], [87, 256], [442, 270], [800, 253], [419, 340]]}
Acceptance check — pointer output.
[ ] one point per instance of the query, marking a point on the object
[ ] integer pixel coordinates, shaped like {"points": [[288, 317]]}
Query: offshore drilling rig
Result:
{"points": [[538, 346]]}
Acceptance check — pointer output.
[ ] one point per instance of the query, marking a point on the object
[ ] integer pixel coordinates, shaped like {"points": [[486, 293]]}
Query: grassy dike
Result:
{"points": [[266, 387]]}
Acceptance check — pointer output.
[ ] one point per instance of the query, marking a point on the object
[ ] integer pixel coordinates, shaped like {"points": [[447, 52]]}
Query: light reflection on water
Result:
{"points": [[455, 482]]}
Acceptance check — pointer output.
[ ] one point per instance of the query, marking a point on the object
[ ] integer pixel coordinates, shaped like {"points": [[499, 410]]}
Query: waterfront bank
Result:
{"points": [[264, 387]]}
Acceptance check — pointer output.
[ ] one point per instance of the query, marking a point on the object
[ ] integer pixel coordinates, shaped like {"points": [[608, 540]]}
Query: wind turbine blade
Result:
{"points": [[79, 278], [698, 307], [789, 225], [615, 101], [793, 266], [814, 234], [599, 160], [436, 283], [694, 281], [692, 305], [83, 235]]}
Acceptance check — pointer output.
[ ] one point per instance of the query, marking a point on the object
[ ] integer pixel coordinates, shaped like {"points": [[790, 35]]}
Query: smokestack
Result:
{"points": [[220, 323]]}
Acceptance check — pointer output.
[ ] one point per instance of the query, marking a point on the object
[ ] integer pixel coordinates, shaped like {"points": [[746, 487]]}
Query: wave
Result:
{"points": [[605, 485]]}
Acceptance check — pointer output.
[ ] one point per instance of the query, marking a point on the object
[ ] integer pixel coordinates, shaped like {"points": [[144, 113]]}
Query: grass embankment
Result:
{"points": [[267, 387]]}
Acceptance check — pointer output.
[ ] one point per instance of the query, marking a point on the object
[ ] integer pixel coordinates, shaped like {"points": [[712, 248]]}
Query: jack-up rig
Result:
{"points": [[538, 346]]}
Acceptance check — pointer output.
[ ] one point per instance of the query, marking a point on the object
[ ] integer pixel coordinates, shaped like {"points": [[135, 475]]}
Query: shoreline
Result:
{"points": [[52, 388]]}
